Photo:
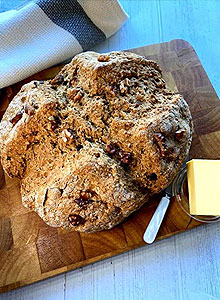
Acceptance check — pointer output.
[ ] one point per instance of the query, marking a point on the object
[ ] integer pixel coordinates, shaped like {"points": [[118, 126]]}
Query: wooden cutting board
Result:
{"points": [[30, 250]]}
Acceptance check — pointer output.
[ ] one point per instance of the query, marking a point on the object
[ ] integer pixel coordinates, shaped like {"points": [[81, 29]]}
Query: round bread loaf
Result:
{"points": [[93, 144]]}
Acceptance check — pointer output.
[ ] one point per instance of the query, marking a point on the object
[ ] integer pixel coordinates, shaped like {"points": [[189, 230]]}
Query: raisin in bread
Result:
{"points": [[93, 144]]}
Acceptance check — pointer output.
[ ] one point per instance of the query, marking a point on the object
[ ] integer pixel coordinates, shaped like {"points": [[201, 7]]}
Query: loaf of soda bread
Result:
{"points": [[93, 144]]}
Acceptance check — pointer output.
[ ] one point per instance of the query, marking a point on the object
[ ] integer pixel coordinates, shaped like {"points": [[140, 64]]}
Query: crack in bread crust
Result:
{"points": [[91, 145]]}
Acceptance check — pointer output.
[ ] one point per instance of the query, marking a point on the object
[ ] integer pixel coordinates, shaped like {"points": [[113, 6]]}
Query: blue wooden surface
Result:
{"points": [[183, 267]]}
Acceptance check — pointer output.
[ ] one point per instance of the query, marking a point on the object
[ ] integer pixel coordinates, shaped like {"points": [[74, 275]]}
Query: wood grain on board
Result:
{"points": [[30, 250]]}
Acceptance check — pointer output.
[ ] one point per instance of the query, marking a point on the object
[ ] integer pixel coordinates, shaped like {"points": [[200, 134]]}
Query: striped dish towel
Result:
{"points": [[46, 32]]}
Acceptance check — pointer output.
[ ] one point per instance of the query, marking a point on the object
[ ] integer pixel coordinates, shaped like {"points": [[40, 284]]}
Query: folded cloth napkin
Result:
{"points": [[46, 32]]}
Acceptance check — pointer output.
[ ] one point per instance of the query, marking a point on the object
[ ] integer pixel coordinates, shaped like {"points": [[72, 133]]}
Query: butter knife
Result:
{"points": [[155, 222]]}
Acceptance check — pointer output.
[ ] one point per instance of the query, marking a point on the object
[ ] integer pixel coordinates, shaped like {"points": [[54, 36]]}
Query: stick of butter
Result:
{"points": [[203, 178]]}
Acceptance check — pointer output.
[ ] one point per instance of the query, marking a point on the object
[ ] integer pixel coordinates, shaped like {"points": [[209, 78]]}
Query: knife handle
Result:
{"points": [[155, 222]]}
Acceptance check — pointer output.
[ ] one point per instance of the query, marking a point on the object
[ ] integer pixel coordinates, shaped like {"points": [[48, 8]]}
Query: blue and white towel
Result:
{"points": [[46, 32]]}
